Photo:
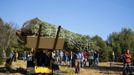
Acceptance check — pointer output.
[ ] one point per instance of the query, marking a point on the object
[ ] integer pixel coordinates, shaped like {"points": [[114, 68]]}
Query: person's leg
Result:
{"points": [[83, 63], [60, 60], [89, 62], [66, 60], [71, 63], [75, 65], [124, 68], [94, 62], [97, 61], [129, 68], [79, 65]]}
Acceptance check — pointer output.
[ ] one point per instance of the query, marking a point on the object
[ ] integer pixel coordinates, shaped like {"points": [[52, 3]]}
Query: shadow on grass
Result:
{"points": [[113, 68], [118, 68], [10, 70]]}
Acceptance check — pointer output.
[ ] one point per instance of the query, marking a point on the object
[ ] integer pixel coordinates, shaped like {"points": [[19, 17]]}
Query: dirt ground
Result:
{"points": [[19, 68]]}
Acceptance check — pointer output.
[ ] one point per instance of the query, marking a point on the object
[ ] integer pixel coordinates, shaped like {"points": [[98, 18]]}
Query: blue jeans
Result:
{"points": [[127, 68], [60, 58]]}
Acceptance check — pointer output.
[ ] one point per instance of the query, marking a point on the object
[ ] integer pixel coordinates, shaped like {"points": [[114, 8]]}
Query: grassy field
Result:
{"points": [[103, 69], [19, 68]]}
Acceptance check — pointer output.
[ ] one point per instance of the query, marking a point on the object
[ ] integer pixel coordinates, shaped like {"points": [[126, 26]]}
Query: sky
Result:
{"points": [[87, 17]]}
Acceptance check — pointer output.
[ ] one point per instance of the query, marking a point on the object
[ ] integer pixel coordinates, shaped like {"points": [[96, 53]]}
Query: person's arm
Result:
{"points": [[130, 56]]}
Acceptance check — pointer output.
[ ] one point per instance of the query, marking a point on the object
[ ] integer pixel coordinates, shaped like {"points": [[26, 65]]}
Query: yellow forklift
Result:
{"points": [[42, 61]]}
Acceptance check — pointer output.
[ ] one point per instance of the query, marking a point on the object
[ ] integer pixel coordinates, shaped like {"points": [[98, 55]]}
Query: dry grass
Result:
{"points": [[15, 65], [18, 64], [102, 70], [89, 71]]}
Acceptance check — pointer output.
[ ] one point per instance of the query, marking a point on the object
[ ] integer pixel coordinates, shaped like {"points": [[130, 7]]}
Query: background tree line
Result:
{"points": [[8, 39], [117, 41]]}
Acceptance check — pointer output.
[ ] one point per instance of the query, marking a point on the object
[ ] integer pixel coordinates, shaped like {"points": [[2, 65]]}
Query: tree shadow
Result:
{"points": [[116, 68], [10, 70], [112, 68]]}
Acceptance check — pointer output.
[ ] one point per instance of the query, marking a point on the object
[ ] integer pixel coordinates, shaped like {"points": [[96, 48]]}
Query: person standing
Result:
{"points": [[4, 55], [96, 59], [61, 56], [84, 58], [90, 58], [14, 56], [127, 63], [29, 59], [66, 58], [113, 56], [70, 58], [77, 62], [24, 56], [11, 56]]}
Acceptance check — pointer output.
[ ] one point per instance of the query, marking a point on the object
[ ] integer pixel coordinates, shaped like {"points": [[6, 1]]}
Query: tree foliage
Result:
{"points": [[117, 41], [72, 40], [8, 39], [101, 47], [121, 41]]}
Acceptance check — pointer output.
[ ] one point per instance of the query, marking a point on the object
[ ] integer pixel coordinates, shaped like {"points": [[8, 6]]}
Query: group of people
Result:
{"points": [[81, 58], [12, 56], [77, 59]]}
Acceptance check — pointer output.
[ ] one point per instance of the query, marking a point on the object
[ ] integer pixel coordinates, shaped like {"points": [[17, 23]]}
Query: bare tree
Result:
{"points": [[8, 37]]}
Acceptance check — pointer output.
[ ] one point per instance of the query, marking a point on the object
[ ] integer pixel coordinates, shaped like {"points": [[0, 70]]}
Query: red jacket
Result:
{"points": [[127, 57], [84, 55]]}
